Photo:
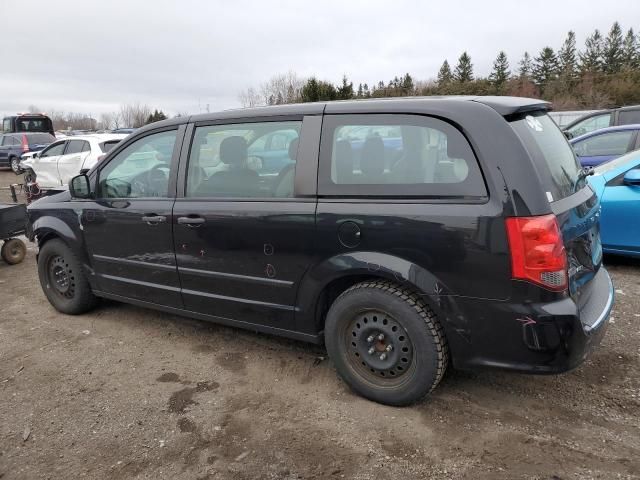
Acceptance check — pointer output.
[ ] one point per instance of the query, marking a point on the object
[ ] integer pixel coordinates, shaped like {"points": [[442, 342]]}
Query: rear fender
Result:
{"points": [[365, 264]]}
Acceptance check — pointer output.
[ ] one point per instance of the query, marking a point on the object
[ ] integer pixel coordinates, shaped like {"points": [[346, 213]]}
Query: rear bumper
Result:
{"points": [[535, 338]]}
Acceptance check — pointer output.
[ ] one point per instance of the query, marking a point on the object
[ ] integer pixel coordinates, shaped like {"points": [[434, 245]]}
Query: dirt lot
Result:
{"points": [[124, 392]]}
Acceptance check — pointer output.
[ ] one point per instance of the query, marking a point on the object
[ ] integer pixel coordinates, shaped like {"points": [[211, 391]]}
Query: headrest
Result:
{"points": [[233, 150], [372, 159], [293, 148]]}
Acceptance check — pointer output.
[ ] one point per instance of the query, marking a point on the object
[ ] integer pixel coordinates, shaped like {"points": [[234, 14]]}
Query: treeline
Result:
{"points": [[128, 116], [604, 73]]}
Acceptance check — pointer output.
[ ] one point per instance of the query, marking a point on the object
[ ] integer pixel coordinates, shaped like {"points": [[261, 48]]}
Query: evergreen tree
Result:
{"points": [[591, 58], [345, 91], [524, 70], [317, 90], [366, 91], [545, 67], [464, 69], [156, 116], [567, 56], [612, 53], [360, 93], [630, 55], [407, 84], [444, 75], [500, 73]]}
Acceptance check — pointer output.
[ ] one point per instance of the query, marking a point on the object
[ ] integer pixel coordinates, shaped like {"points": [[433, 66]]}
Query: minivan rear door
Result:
{"points": [[574, 203]]}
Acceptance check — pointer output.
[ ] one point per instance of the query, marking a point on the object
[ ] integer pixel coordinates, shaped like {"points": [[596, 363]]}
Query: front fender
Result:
{"points": [[389, 267]]}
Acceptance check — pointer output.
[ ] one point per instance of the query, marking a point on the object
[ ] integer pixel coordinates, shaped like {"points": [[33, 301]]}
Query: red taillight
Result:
{"points": [[25, 144], [537, 251]]}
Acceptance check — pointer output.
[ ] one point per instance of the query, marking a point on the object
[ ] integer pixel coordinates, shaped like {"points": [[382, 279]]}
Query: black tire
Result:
{"points": [[63, 280], [14, 163], [13, 251], [413, 341]]}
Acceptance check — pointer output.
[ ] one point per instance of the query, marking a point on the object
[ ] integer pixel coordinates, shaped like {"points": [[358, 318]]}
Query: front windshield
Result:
{"points": [[617, 162], [554, 158]]}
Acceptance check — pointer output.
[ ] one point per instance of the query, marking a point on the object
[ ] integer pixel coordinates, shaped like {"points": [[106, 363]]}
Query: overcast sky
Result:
{"points": [[179, 56]]}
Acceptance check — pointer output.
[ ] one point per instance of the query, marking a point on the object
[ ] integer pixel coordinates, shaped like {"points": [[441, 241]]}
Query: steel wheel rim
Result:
{"points": [[378, 348], [61, 277], [15, 165]]}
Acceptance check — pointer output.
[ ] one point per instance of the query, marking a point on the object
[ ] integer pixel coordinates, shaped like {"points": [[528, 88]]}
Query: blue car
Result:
{"points": [[617, 183], [602, 145]]}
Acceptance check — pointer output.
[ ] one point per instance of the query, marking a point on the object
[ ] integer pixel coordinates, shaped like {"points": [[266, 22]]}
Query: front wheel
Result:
{"points": [[63, 280], [386, 343]]}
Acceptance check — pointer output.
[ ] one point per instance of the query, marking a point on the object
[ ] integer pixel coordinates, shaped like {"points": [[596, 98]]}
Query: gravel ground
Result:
{"points": [[124, 392]]}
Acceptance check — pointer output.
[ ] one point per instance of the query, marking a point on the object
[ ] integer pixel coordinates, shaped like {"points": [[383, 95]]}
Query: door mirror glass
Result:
{"points": [[632, 177], [79, 187]]}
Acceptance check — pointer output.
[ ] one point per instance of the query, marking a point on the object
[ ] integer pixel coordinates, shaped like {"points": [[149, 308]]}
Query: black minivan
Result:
{"points": [[405, 234]]}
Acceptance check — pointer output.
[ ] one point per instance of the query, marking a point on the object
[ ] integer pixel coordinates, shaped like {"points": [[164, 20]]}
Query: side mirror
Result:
{"points": [[79, 186], [632, 177]]}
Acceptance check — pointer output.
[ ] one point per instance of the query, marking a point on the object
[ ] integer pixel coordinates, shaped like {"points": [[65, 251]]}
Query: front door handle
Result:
{"points": [[191, 221], [154, 219]]}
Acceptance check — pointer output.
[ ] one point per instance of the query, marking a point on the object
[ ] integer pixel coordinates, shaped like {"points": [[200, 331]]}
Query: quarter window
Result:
{"points": [[244, 160], [141, 170], [396, 155]]}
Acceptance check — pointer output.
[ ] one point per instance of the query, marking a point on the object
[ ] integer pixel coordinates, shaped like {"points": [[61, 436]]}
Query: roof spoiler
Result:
{"points": [[514, 105]]}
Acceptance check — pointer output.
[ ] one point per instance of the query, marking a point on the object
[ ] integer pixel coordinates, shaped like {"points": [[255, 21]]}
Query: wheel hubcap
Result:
{"points": [[379, 345], [61, 277]]}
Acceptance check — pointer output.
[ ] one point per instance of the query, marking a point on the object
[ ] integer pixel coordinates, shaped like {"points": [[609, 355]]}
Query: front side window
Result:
{"points": [[243, 160], [590, 124], [397, 155], [613, 143], [53, 150], [141, 170], [6, 125]]}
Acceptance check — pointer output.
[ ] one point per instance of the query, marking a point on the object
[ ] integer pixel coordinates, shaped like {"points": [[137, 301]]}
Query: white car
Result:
{"points": [[62, 160]]}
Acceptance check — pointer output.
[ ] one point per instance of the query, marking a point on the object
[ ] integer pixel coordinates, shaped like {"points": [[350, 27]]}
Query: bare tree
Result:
{"points": [[282, 88], [250, 98], [107, 120], [134, 115]]}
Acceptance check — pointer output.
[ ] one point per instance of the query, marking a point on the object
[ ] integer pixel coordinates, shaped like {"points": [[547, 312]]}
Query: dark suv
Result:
{"points": [[14, 145], [405, 234]]}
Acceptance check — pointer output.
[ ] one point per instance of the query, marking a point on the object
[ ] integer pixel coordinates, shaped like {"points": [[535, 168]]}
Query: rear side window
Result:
{"points": [[611, 143], [627, 117], [590, 124], [397, 156], [76, 146], [553, 156], [10, 140], [243, 160]]}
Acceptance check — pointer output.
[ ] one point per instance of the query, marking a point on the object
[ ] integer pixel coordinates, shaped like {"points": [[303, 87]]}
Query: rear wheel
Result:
{"points": [[63, 280], [386, 343], [15, 165], [13, 251]]}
